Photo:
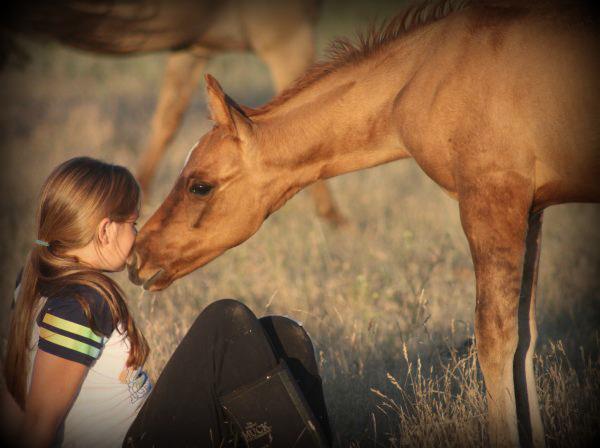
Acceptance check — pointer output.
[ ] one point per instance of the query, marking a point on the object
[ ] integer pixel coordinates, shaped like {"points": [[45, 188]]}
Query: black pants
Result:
{"points": [[226, 348]]}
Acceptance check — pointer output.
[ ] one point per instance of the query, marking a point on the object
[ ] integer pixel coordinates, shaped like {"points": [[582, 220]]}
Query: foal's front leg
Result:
{"points": [[494, 214], [531, 429]]}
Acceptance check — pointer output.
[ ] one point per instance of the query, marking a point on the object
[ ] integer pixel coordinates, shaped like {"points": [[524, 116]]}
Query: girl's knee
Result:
{"points": [[227, 311], [287, 326], [288, 336], [226, 307]]}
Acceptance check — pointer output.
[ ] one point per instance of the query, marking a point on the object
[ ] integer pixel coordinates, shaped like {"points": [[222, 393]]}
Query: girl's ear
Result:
{"points": [[103, 231]]}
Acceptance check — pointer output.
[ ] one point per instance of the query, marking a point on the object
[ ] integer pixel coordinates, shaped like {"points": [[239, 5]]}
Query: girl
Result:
{"points": [[75, 357]]}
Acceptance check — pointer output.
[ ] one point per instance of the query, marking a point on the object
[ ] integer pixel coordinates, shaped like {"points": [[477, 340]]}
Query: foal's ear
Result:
{"points": [[224, 111]]}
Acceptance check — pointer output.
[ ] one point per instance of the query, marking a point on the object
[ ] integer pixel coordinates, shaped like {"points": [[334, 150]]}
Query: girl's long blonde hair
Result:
{"points": [[77, 195]]}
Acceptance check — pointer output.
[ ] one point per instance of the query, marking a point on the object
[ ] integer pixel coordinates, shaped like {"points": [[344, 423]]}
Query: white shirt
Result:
{"points": [[111, 393]]}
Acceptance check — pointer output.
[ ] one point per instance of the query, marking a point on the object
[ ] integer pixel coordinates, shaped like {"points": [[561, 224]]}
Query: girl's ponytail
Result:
{"points": [[26, 302]]}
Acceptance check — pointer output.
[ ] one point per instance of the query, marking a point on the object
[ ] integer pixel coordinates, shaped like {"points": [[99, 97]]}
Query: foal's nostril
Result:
{"points": [[132, 259], [132, 269]]}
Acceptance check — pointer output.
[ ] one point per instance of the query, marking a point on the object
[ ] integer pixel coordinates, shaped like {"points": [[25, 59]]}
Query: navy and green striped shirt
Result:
{"points": [[65, 330]]}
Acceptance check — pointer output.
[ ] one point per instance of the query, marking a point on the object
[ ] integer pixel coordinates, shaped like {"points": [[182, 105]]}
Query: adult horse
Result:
{"points": [[498, 102], [280, 33]]}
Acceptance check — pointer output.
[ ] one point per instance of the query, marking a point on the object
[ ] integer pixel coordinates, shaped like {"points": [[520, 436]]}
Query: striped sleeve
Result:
{"points": [[65, 330]]}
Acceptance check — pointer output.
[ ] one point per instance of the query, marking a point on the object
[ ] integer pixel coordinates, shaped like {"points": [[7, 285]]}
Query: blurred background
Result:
{"points": [[388, 299]]}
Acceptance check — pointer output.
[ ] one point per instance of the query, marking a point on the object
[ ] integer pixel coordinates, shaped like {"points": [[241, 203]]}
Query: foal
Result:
{"points": [[474, 95]]}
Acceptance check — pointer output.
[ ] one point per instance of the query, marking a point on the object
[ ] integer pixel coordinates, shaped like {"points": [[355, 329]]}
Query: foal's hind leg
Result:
{"points": [[180, 80], [531, 429], [494, 210]]}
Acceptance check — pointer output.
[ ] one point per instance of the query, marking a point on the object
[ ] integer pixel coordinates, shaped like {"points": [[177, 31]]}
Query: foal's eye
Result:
{"points": [[200, 189]]}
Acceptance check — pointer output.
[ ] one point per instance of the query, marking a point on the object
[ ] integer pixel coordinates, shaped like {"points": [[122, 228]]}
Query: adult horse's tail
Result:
{"points": [[108, 26]]}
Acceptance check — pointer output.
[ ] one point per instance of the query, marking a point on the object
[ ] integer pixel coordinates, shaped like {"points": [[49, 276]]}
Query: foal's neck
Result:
{"points": [[341, 123]]}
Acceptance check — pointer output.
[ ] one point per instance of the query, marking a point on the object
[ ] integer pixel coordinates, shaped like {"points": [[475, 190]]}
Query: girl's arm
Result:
{"points": [[54, 386], [10, 412]]}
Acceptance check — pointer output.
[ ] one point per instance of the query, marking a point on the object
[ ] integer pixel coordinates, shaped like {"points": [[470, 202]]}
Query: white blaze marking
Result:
{"points": [[189, 154]]}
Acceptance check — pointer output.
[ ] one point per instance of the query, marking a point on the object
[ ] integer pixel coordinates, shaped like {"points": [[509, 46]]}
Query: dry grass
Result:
{"points": [[388, 301]]}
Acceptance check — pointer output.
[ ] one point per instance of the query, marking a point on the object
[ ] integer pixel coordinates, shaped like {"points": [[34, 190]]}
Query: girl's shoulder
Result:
{"points": [[74, 324], [74, 303]]}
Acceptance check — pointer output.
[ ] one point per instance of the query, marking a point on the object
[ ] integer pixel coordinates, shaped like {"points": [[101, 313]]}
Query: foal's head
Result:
{"points": [[219, 200]]}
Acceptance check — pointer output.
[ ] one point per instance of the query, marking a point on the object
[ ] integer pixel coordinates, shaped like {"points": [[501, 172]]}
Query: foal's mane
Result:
{"points": [[343, 51]]}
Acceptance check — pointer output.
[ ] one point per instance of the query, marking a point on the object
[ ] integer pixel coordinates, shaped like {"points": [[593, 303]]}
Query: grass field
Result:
{"points": [[388, 301]]}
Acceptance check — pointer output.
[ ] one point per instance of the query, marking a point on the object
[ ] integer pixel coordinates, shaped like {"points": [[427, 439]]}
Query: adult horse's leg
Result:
{"points": [[288, 56], [325, 204], [531, 429], [182, 75], [494, 211]]}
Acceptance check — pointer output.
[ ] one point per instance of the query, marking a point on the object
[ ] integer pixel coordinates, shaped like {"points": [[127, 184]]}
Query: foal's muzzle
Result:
{"points": [[134, 273]]}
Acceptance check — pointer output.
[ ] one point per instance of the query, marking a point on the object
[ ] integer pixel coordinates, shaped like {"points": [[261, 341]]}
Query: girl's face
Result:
{"points": [[111, 247], [121, 236]]}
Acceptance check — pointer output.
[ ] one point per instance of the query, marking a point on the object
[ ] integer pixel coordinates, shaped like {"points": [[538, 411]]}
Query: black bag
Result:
{"points": [[272, 413]]}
